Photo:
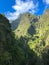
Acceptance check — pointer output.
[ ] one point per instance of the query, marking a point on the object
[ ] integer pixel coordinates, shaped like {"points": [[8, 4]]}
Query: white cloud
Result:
{"points": [[21, 7], [12, 16], [46, 1]]}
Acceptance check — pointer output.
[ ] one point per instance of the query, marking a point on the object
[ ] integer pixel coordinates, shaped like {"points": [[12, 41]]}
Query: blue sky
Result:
{"points": [[13, 8]]}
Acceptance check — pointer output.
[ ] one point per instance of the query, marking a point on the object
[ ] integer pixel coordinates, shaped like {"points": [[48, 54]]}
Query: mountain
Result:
{"points": [[9, 54], [25, 22], [13, 51], [35, 29], [7, 41], [27, 43]]}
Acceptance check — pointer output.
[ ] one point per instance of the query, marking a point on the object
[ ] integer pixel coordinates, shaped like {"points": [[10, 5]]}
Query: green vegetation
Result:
{"points": [[27, 43], [35, 29], [13, 51]]}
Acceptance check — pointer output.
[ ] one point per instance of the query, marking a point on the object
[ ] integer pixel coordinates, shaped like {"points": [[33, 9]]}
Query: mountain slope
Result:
{"points": [[35, 29], [13, 51], [24, 24], [9, 54]]}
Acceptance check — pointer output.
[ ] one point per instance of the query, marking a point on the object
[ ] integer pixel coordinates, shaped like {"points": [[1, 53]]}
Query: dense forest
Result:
{"points": [[27, 44]]}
